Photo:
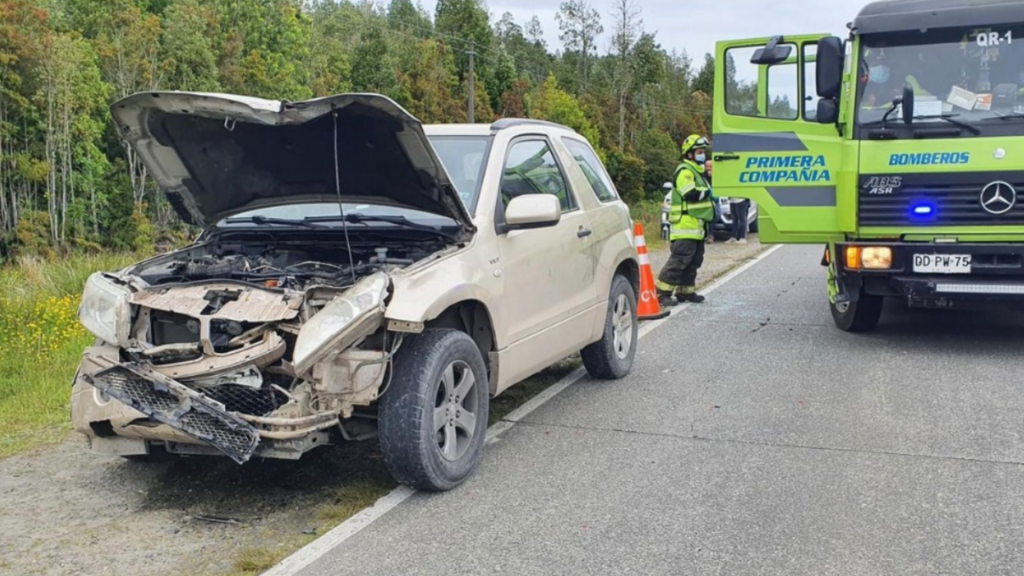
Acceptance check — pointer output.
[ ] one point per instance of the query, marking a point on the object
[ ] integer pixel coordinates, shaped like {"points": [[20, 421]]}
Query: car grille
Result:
{"points": [[193, 415], [246, 400], [955, 199]]}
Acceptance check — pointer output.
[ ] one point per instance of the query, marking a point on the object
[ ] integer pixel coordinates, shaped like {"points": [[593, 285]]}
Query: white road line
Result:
{"points": [[336, 536], [652, 325]]}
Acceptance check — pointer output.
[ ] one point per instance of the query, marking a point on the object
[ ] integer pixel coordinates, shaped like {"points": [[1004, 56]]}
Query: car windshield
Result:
{"points": [[967, 75], [463, 158], [325, 210]]}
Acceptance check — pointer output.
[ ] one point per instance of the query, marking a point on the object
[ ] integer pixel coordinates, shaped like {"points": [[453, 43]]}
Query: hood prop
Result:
{"points": [[341, 203]]}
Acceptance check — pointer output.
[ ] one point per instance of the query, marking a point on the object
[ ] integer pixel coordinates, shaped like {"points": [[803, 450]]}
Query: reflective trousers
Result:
{"points": [[679, 276]]}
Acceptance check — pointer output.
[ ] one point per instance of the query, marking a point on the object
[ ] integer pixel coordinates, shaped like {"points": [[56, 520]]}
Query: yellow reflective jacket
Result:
{"points": [[692, 205]]}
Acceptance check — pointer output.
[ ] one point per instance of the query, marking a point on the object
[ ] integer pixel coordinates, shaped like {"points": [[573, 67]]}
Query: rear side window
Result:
{"points": [[591, 166]]}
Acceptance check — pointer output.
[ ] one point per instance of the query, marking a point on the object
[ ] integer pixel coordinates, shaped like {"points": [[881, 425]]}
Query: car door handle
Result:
{"points": [[721, 157], [584, 232]]}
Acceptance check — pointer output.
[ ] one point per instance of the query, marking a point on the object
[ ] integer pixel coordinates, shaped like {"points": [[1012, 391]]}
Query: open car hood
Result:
{"points": [[217, 155]]}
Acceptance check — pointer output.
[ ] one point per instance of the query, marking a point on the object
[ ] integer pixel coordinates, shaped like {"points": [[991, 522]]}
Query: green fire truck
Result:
{"points": [[900, 148]]}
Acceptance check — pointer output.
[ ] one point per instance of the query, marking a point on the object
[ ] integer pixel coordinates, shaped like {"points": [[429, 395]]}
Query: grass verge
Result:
{"points": [[648, 213], [41, 341]]}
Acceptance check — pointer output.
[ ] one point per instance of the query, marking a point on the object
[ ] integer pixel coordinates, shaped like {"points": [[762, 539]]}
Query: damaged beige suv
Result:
{"points": [[359, 275]]}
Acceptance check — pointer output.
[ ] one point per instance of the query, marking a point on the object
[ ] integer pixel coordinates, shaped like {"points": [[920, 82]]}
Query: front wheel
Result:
{"points": [[859, 316], [611, 357], [433, 419]]}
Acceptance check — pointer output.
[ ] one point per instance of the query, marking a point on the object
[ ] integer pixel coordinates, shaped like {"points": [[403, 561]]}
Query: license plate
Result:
{"points": [[942, 263]]}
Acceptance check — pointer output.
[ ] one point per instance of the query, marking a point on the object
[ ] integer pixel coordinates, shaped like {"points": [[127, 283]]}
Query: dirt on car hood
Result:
{"points": [[217, 155]]}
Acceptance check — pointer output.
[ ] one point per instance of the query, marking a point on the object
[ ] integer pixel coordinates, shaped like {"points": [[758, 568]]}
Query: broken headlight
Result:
{"points": [[346, 319], [105, 310]]}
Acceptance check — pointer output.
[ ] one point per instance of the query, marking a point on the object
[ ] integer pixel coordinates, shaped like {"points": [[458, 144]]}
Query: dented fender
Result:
{"points": [[423, 295]]}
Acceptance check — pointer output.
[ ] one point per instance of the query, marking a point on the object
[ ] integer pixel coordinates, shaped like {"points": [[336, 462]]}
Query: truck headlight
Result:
{"points": [[868, 257], [105, 310], [876, 257], [344, 320]]}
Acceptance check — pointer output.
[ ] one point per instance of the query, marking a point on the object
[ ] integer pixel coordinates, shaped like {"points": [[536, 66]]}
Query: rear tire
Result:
{"points": [[753, 226], [859, 316], [611, 357], [433, 419]]}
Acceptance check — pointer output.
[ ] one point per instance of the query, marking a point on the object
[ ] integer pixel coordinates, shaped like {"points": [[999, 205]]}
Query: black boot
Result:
{"points": [[694, 298], [665, 300]]}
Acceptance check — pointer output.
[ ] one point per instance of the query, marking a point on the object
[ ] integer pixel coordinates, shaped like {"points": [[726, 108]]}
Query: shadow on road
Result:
{"points": [[951, 331]]}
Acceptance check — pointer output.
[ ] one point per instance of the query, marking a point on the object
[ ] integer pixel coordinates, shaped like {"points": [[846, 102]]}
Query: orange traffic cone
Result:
{"points": [[647, 305]]}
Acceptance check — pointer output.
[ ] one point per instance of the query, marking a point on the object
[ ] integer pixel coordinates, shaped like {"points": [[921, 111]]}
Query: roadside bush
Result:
{"points": [[627, 171], [661, 155], [41, 341]]}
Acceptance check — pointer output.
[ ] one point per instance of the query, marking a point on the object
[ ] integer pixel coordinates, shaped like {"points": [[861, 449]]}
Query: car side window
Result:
{"points": [[530, 168], [591, 166]]}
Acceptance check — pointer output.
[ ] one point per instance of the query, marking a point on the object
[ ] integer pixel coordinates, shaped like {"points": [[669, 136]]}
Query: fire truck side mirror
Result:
{"points": [[829, 67], [828, 111]]}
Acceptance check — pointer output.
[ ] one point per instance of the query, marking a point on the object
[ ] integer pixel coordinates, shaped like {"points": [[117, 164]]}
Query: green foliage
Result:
{"points": [[68, 183], [370, 70], [627, 172], [556, 105], [660, 155], [705, 79], [466, 24], [41, 342], [407, 17], [191, 30]]}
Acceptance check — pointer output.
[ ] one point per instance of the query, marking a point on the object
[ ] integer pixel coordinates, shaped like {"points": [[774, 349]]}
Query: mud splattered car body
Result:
{"points": [[343, 288]]}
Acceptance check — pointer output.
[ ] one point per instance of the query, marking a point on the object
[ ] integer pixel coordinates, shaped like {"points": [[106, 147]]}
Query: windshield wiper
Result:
{"points": [[356, 218], [262, 220], [950, 118], [1014, 116]]}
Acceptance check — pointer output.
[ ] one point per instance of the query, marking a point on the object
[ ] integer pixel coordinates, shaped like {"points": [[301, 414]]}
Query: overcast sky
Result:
{"points": [[695, 26]]}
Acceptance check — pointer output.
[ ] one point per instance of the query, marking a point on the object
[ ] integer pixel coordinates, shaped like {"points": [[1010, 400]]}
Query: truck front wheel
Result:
{"points": [[859, 316]]}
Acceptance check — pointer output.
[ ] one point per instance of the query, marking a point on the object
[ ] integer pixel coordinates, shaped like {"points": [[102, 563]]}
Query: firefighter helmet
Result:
{"points": [[693, 142]]}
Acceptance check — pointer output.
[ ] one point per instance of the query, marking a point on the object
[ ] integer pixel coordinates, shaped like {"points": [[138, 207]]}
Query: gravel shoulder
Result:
{"points": [[67, 512]]}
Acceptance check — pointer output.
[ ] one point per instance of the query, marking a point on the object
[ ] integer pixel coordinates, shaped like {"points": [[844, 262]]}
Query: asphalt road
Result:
{"points": [[753, 437]]}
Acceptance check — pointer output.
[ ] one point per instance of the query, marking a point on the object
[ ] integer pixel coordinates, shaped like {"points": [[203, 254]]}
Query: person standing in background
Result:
{"points": [[739, 208]]}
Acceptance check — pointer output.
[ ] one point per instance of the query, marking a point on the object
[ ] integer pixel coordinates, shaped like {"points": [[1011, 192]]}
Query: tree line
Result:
{"points": [[68, 182]]}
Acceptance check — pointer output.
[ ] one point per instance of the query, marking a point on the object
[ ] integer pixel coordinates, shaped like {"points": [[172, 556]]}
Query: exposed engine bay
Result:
{"points": [[253, 347], [289, 265]]}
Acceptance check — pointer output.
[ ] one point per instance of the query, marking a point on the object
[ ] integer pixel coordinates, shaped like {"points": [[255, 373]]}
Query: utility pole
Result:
{"points": [[470, 112]]}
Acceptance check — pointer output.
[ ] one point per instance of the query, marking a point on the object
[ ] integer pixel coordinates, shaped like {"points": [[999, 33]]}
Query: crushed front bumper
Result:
{"points": [[178, 406], [995, 279], [123, 407]]}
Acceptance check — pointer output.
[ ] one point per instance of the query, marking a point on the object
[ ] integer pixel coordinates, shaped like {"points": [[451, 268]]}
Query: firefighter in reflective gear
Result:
{"points": [[881, 85], [691, 209]]}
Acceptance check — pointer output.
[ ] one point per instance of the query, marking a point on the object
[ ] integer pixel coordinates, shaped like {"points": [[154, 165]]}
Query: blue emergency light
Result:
{"points": [[922, 210]]}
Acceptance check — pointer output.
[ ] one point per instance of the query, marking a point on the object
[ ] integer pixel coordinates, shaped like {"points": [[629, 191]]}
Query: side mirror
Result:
{"points": [[908, 104], [533, 211], [772, 53], [828, 111], [667, 186], [829, 67]]}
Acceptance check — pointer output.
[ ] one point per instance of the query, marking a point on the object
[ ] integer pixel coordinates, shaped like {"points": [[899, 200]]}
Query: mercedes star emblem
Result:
{"points": [[998, 197]]}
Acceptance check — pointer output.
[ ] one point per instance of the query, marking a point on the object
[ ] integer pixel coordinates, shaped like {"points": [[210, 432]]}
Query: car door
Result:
{"points": [[548, 272], [767, 145]]}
